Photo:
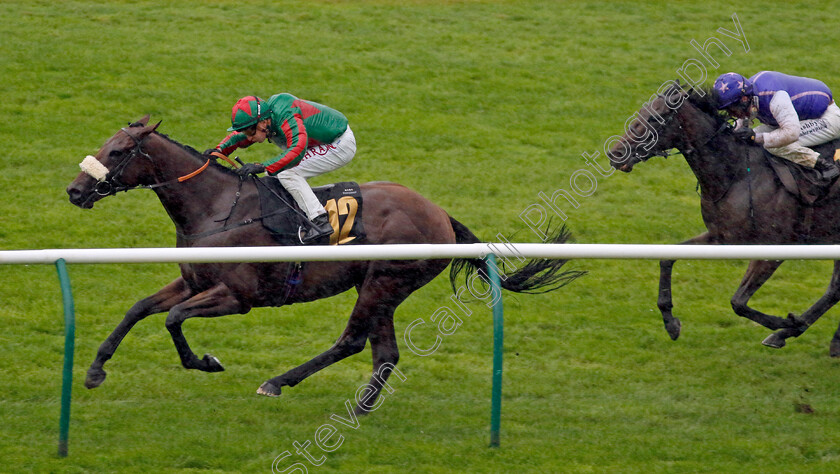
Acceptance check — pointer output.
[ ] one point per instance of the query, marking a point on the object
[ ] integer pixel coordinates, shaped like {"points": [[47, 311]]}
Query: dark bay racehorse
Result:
{"points": [[197, 194], [741, 202]]}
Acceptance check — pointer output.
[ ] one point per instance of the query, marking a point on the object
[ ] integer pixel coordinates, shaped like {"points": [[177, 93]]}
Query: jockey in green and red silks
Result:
{"points": [[315, 139]]}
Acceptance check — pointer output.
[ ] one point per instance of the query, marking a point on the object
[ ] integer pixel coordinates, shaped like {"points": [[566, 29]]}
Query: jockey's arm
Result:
{"points": [[233, 141], [788, 131], [296, 141]]}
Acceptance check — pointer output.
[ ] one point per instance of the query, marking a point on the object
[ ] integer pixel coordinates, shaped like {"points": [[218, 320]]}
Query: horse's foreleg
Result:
{"points": [[664, 302], [811, 315], [169, 296], [758, 272], [217, 301]]}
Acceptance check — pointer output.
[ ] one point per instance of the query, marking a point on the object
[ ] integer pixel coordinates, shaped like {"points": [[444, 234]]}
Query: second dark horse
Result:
{"points": [[741, 202]]}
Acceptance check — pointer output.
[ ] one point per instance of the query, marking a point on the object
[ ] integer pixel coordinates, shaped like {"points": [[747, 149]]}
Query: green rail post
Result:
{"points": [[69, 346], [498, 337]]}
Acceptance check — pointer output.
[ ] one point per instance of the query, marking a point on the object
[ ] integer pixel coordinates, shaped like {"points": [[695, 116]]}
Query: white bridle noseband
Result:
{"points": [[92, 167]]}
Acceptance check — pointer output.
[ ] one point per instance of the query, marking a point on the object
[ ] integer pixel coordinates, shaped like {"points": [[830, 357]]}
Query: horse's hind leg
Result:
{"points": [[758, 272], [386, 354], [217, 301], [373, 315], [352, 341], [811, 315], [168, 296]]}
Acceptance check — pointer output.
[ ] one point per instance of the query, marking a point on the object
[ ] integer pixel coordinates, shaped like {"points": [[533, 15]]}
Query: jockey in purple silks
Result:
{"points": [[795, 113]]}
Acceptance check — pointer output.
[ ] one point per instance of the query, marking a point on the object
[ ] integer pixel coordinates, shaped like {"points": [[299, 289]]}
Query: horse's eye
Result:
{"points": [[115, 153]]}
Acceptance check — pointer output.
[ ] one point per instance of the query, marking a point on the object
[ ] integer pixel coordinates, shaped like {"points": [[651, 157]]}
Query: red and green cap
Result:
{"points": [[246, 112]]}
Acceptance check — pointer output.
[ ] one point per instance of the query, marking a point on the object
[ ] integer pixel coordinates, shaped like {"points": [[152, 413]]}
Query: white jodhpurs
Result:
{"points": [[317, 160], [811, 133]]}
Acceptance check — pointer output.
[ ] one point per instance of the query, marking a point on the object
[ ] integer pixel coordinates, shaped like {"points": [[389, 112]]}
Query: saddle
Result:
{"points": [[806, 184], [287, 222]]}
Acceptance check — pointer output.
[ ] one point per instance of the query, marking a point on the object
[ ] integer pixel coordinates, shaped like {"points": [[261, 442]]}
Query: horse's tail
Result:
{"points": [[536, 276]]}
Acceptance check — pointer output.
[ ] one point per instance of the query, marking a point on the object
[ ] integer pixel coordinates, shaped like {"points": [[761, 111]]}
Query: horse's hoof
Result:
{"points": [[774, 341], [95, 378], [212, 364], [269, 390], [673, 327], [834, 348]]}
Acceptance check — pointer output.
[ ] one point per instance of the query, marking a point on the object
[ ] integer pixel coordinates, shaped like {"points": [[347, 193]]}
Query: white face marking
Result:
{"points": [[94, 168]]}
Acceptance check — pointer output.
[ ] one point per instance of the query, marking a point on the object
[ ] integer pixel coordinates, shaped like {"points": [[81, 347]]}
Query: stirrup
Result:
{"points": [[320, 228], [827, 168], [830, 174]]}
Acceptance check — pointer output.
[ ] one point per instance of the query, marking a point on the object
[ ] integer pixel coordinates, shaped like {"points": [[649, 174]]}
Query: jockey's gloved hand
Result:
{"points": [[250, 168], [209, 152], [745, 134]]}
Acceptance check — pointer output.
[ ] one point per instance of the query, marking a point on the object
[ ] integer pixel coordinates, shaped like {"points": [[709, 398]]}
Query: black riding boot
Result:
{"points": [[320, 228], [827, 168]]}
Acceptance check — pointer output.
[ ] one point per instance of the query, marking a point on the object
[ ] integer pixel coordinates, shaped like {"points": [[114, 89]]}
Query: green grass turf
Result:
{"points": [[479, 105]]}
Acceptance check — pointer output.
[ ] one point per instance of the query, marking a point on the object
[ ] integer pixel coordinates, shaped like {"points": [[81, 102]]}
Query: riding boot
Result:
{"points": [[320, 228], [827, 168]]}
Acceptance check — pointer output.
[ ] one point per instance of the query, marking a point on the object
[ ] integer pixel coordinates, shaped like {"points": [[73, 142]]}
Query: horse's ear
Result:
{"points": [[156, 125], [679, 87], [143, 121]]}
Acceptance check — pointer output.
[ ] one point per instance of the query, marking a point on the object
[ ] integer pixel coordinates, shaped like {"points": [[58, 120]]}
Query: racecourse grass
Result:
{"points": [[478, 105]]}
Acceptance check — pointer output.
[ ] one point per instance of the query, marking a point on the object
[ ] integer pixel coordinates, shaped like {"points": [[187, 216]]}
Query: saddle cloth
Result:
{"points": [[805, 183], [284, 219]]}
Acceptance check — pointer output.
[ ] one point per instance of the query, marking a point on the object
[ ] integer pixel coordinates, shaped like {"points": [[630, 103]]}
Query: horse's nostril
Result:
{"points": [[74, 193]]}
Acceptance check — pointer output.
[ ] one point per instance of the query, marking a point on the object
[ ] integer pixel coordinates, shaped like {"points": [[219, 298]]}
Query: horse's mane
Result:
{"points": [[197, 154], [190, 150], [706, 99]]}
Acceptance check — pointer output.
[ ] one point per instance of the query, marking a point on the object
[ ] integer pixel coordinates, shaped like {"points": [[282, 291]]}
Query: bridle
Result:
{"points": [[112, 184], [658, 128], [691, 150]]}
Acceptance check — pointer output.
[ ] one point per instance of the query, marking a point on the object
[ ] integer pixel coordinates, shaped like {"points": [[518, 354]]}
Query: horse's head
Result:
{"points": [[120, 164], [653, 130]]}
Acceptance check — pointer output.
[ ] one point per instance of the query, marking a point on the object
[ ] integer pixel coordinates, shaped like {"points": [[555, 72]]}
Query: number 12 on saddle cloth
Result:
{"points": [[343, 202], [347, 207]]}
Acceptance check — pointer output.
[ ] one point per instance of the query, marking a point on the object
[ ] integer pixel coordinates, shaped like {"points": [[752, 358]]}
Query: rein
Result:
{"points": [[225, 227], [723, 127], [693, 149], [112, 185], [669, 152]]}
